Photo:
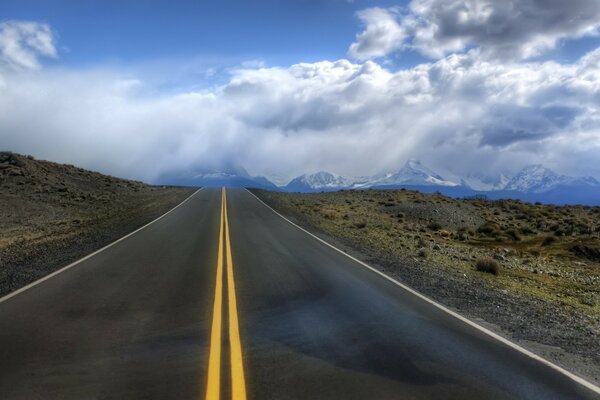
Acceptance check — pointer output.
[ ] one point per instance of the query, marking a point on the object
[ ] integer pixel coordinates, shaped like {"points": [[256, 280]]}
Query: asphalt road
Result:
{"points": [[211, 304]]}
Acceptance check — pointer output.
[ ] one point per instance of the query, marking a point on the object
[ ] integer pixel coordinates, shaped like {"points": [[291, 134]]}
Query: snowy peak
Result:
{"points": [[533, 178], [414, 173], [320, 181], [415, 168], [325, 179], [538, 179]]}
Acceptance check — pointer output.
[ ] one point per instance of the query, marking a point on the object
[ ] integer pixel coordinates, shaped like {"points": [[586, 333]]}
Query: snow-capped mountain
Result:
{"points": [[413, 173], [538, 179], [320, 181], [534, 178], [533, 183]]}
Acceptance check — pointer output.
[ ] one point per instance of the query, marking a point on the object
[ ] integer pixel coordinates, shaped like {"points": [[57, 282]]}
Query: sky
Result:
{"points": [[144, 90]]}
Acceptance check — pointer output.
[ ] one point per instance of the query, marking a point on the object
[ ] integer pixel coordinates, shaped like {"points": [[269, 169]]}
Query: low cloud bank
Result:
{"points": [[464, 113]]}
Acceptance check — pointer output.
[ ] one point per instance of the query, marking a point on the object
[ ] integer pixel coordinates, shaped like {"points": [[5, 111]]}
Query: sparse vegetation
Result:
{"points": [[434, 226], [548, 240], [488, 265], [512, 233]]}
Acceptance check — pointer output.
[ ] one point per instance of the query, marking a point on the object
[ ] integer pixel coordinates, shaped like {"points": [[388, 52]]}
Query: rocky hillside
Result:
{"points": [[53, 214]]}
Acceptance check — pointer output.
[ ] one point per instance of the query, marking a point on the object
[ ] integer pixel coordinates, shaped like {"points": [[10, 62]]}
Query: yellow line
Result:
{"points": [[238, 384], [214, 361]]}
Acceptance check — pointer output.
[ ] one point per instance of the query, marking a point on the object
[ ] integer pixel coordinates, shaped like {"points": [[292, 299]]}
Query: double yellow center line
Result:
{"points": [[238, 384]]}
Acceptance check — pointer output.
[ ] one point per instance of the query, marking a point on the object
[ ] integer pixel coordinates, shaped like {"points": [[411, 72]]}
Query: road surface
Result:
{"points": [[234, 302]]}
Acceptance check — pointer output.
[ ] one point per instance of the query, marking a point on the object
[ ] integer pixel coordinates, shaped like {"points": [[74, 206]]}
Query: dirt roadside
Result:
{"points": [[53, 214]]}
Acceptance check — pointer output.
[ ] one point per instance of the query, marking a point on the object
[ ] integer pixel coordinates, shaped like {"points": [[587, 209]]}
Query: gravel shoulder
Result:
{"points": [[54, 214], [539, 320]]}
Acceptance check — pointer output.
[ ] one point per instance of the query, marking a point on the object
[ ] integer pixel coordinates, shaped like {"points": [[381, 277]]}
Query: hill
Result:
{"points": [[53, 214]]}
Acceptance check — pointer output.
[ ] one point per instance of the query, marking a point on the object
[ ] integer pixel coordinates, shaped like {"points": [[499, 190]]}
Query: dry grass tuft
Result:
{"points": [[488, 265]]}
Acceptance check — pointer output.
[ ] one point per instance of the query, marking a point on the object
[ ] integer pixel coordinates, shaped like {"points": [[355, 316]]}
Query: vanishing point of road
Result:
{"points": [[222, 298]]}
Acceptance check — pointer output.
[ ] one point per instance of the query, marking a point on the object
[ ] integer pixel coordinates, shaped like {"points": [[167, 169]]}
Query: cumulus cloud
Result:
{"points": [[22, 43], [508, 29], [461, 114], [383, 34]]}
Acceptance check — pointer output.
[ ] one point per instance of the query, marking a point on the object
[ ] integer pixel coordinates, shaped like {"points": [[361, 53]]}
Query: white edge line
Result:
{"points": [[501, 339], [63, 269]]}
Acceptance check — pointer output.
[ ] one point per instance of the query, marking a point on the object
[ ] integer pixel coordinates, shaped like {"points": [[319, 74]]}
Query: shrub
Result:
{"points": [[423, 253], [526, 230], [434, 226], [489, 228], [559, 232], [548, 240], [329, 215], [513, 234], [488, 265], [360, 225]]}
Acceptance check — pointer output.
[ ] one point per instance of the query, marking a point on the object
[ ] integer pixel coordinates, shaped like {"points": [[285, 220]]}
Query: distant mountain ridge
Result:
{"points": [[413, 173], [320, 181], [232, 175], [538, 179], [532, 183]]}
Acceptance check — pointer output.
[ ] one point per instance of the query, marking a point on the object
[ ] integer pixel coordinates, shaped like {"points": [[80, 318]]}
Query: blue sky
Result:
{"points": [[473, 88], [279, 32]]}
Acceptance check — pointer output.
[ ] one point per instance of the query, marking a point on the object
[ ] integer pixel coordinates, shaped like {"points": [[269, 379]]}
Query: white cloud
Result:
{"points": [[459, 114], [22, 43], [383, 34], [463, 113], [508, 29]]}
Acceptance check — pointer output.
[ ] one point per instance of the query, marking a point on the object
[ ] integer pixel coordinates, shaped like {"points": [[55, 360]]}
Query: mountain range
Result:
{"points": [[230, 176], [533, 183]]}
